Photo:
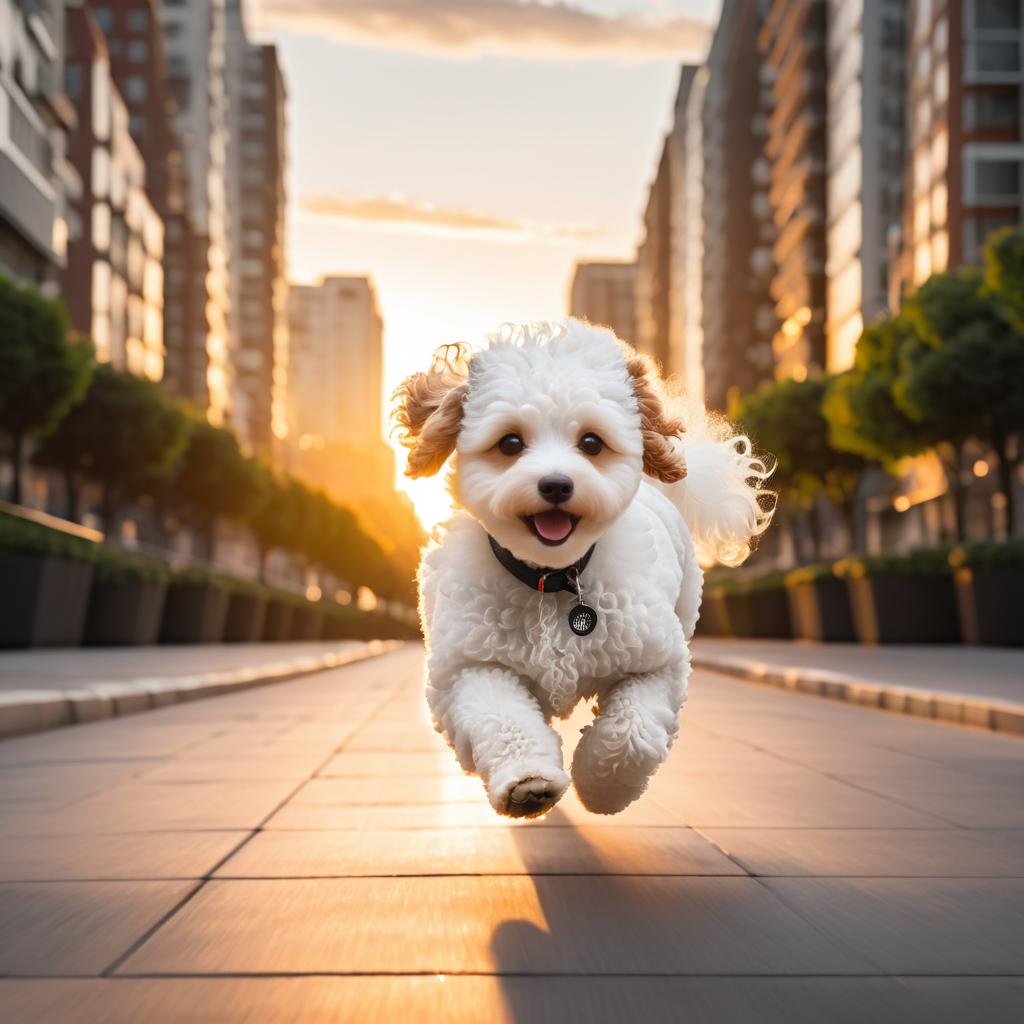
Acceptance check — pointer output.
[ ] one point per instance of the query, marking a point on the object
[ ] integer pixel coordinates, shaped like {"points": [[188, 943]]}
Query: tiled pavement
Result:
{"points": [[309, 852]]}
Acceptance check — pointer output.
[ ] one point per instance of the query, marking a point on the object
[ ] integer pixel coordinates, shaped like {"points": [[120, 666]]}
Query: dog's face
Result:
{"points": [[552, 430]]}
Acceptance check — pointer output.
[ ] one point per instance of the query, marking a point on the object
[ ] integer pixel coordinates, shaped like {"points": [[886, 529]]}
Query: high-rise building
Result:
{"points": [[135, 45], [683, 163], [603, 294], [965, 161], [336, 363], [792, 40], [866, 132], [653, 258], [113, 284], [737, 315], [686, 322], [34, 118], [256, 166], [195, 40]]}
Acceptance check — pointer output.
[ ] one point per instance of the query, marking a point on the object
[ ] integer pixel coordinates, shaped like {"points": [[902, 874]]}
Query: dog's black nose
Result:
{"points": [[555, 487]]}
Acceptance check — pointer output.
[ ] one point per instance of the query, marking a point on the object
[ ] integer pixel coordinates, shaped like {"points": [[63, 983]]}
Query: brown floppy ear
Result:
{"points": [[428, 411], [662, 459]]}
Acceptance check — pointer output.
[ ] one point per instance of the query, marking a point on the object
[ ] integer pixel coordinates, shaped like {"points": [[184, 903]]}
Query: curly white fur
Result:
{"points": [[502, 661]]}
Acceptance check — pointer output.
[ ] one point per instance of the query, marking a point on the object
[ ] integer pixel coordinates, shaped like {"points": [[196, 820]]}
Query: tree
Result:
{"points": [[276, 519], [1004, 272], [786, 418], [43, 371], [974, 386], [213, 479], [947, 303], [963, 376], [862, 413], [121, 431]]}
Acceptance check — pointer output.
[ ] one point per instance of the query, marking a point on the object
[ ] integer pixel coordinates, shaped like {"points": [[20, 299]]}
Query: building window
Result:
{"points": [[138, 51], [991, 109], [993, 57], [73, 81], [977, 231], [135, 89], [137, 20], [997, 180], [105, 17], [997, 14], [137, 126]]}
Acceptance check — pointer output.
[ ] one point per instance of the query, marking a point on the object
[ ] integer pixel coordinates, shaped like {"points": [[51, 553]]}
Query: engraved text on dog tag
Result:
{"points": [[582, 620]]}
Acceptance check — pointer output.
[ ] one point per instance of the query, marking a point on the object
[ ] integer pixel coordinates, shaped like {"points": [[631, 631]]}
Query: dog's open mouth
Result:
{"points": [[552, 527]]}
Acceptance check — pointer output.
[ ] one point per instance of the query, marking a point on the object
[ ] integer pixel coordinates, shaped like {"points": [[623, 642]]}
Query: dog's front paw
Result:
{"points": [[532, 797], [528, 793]]}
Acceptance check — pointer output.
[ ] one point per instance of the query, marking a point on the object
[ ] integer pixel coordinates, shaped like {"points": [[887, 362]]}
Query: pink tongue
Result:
{"points": [[553, 525]]}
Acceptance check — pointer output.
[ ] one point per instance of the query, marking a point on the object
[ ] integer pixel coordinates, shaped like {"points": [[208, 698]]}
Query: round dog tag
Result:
{"points": [[582, 620]]}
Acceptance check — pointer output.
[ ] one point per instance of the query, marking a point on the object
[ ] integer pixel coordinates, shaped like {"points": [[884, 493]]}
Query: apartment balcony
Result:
{"points": [[27, 196]]}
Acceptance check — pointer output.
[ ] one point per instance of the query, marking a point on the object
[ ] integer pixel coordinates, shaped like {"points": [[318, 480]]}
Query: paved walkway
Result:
{"points": [[308, 852]]}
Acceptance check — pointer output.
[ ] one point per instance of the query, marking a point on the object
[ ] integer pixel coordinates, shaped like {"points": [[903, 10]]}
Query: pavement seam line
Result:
{"points": [[208, 876]]}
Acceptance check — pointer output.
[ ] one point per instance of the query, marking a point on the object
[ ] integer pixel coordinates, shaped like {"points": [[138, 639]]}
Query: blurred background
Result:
{"points": [[228, 230]]}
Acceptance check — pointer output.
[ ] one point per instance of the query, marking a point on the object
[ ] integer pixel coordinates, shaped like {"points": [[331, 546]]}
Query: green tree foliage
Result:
{"points": [[213, 479], [122, 431], [947, 303], [965, 377], [862, 413], [948, 369], [786, 418], [1004, 272], [43, 371], [277, 518], [973, 385]]}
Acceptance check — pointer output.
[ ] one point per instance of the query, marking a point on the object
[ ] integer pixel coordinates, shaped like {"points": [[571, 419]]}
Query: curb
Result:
{"points": [[940, 706], [28, 711]]}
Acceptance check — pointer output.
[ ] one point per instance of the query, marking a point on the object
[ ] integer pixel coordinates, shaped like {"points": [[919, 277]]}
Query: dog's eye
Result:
{"points": [[591, 444], [511, 444]]}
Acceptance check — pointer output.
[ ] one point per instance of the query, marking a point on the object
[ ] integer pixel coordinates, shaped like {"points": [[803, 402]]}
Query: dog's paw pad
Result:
{"points": [[532, 797]]}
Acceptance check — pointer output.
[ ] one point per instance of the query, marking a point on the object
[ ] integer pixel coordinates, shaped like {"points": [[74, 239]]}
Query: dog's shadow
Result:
{"points": [[600, 919]]}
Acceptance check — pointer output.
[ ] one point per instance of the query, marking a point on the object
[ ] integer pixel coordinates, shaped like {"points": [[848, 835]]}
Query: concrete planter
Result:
{"points": [[820, 610], [125, 612], [194, 613], [306, 623], [990, 602], [277, 623], [43, 600], [245, 619], [904, 608], [758, 613]]}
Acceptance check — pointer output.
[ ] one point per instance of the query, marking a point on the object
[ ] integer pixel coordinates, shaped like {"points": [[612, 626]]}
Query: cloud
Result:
{"points": [[400, 214], [467, 28]]}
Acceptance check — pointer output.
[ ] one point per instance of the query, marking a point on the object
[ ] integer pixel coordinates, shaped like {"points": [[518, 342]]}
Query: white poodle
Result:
{"points": [[567, 573]]}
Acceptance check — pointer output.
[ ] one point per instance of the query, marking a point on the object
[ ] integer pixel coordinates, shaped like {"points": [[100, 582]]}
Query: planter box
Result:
{"points": [[895, 608], [760, 613], [277, 623], [306, 623], [245, 619], [194, 613], [43, 600], [820, 610], [713, 619], [990, 601], [125, 613]]}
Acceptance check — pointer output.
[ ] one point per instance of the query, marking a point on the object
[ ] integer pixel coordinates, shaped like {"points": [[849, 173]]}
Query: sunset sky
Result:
{"points": [[464, 153]]}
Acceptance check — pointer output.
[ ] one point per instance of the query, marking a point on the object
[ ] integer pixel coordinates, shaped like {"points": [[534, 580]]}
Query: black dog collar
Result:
{"points": [[582, 618], [544, 581]]}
